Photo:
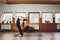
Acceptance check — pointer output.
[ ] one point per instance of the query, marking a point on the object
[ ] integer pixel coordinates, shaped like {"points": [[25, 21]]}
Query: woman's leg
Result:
{"points": [[21, 32]]}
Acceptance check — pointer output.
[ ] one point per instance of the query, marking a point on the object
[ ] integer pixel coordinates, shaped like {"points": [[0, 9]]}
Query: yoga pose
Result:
{"points": [[19, 27]]}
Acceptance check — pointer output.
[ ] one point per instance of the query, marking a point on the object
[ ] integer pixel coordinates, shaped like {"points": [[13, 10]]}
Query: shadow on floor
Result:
{"points": [[29, 35]]}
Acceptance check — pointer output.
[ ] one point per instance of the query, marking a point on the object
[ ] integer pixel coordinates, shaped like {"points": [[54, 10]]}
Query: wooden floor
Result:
{"points": [[30, 36]]}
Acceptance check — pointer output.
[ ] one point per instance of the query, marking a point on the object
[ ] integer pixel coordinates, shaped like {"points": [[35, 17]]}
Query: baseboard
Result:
{"points": [[31, 31], [58, 30], [48, 31], [8, 31]]}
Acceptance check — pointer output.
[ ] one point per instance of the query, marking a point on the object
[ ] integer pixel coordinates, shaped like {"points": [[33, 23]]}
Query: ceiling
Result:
{"points": [[30, 1]]}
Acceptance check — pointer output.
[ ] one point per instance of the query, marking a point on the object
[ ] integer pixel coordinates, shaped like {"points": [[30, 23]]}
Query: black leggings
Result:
{"points": [[20, 30]]}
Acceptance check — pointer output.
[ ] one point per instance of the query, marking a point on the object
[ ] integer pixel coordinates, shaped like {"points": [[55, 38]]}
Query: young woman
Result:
{"points": [[19, 27]]}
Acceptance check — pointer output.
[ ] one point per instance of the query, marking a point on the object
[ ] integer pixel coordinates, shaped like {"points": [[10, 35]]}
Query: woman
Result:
{"points": [[19, 27]]}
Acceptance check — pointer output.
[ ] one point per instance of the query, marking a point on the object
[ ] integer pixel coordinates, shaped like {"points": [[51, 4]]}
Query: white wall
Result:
{"points": [[29, 8]]}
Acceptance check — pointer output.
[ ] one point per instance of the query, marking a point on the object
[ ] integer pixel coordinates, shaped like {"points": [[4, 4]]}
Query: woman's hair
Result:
{"points": [[24, 19]]}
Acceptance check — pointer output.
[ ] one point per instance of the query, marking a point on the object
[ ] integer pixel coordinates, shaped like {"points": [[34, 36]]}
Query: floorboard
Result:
{"points": [[30, 36]]}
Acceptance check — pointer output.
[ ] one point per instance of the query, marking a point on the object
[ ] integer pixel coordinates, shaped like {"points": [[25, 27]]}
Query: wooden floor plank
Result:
{"points": [[30, 36]]}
